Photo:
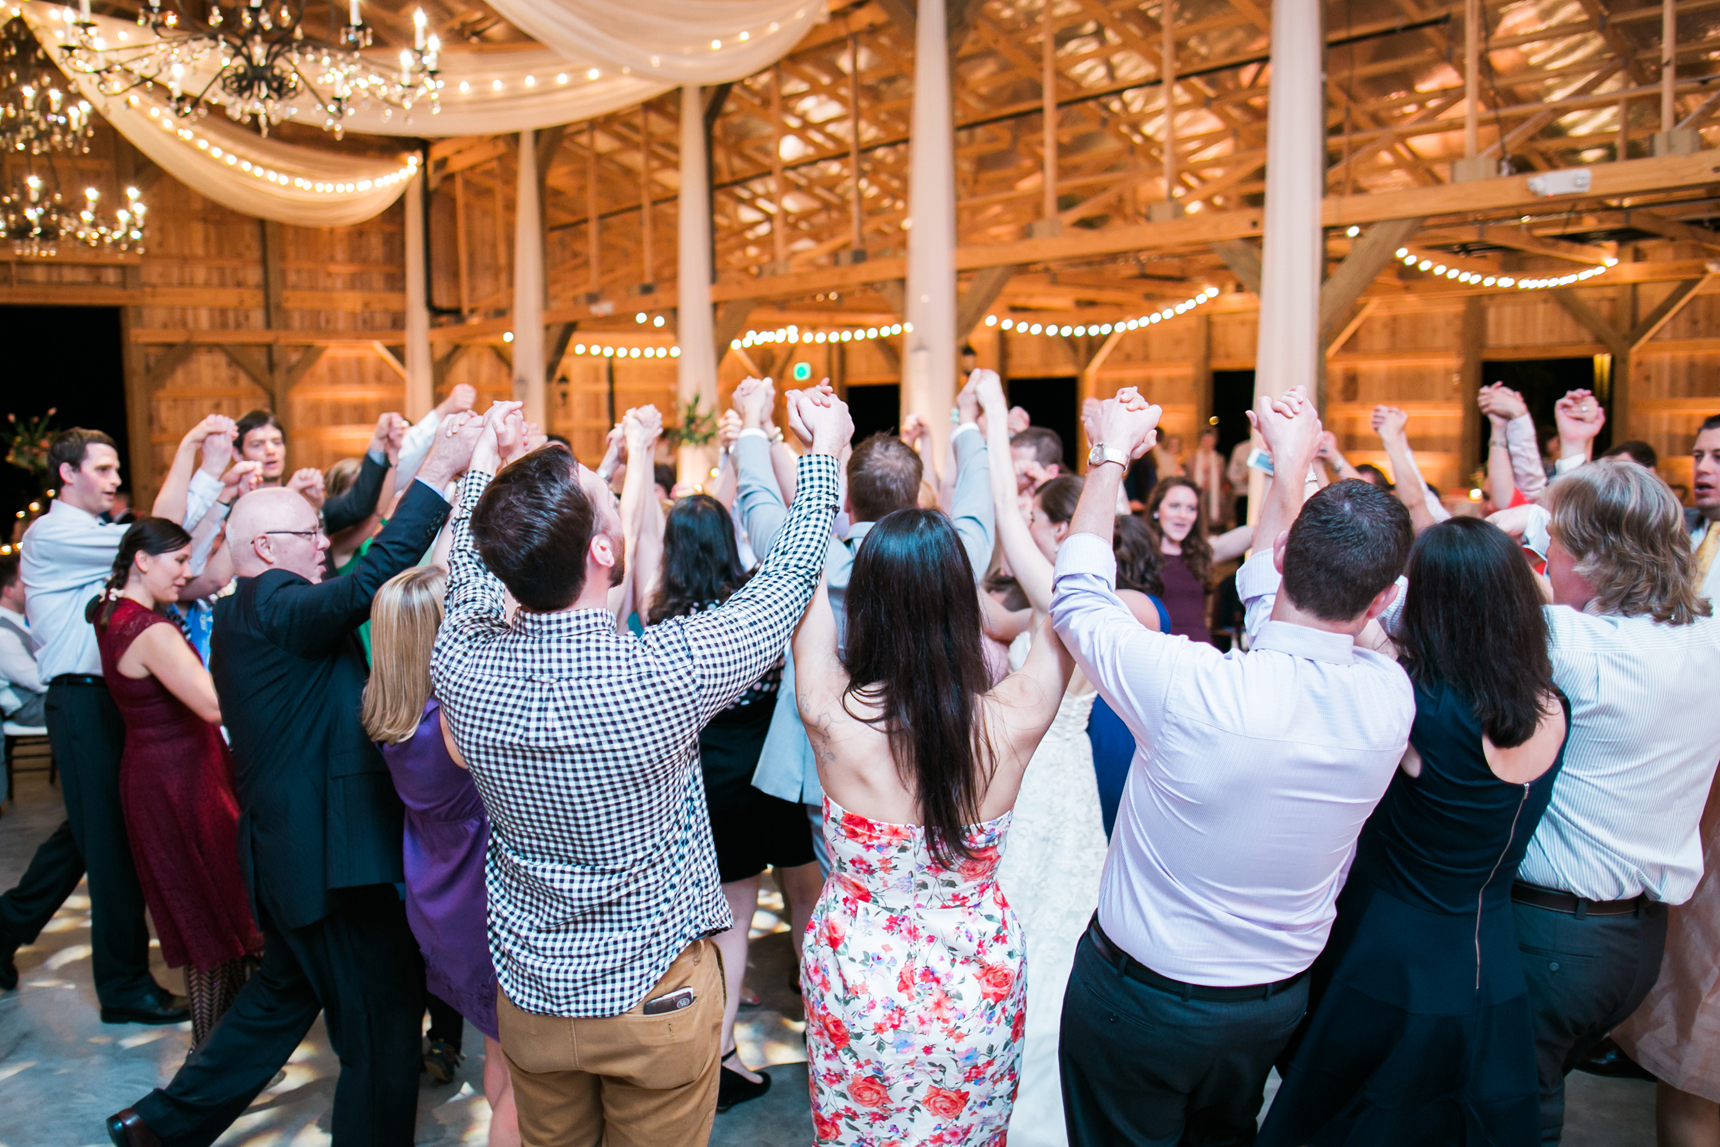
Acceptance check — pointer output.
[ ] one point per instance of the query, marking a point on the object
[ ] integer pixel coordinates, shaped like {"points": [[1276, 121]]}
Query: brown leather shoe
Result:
{"points": [[127, 1129]]}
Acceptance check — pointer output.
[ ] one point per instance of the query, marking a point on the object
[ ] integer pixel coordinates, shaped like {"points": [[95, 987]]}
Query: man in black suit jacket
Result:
{"points": [[319, 826]]}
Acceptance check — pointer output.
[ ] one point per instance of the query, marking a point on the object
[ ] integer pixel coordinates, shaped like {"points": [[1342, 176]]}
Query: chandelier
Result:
{"points": [[255, 61], [37, 113], [37, 220]]}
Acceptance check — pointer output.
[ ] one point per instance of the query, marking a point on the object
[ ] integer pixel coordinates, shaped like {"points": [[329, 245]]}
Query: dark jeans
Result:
{"points": [[1144, 1068], [360, 967], [87, 735], [1585, 977]]}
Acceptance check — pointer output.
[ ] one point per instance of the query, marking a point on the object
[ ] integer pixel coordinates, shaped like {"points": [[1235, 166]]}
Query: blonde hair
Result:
{"points": [[338, 479], [404, 619], [1625, 529]]}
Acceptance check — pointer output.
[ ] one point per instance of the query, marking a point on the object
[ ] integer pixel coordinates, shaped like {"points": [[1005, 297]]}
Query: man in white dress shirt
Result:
{"points": [[22, 697], [68, 554], [1252, 777], [1635, 649], [1704, 520]]}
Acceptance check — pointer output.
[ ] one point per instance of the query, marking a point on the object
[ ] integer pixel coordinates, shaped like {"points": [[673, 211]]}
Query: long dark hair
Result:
{"points": [[701, 563], [1140, 565], [1196, 549], [146, 536], [1473, 622], [1059, 497], [913, 650]]}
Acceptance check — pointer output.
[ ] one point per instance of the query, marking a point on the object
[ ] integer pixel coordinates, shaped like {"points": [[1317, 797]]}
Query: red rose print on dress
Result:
{"points": [[945, 1104], [995, 981], [868, 1091]]}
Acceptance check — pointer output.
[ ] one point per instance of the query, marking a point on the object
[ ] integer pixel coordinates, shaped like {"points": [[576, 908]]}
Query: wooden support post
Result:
{"points": [[648, 275], [1471, 78], [1048, 111], [1473, 341], [1201, 358], [1668, 65], [462, 255], [140, 386], [1243, 260], [859, 238], [503, 277], [592, 223], [1168, 69], [779, 220]]}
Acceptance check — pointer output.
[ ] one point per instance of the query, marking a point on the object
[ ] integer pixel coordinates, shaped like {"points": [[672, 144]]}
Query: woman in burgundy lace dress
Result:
{"points": [[175, 776]]}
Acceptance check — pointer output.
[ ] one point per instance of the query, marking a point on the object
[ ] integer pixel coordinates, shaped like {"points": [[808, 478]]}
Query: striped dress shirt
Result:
{"points": [[584, 744]]}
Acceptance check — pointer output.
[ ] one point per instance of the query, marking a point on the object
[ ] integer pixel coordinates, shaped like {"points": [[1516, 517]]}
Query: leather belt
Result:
{"points": [[79, 679], [1127, 965], [1555, 901]]}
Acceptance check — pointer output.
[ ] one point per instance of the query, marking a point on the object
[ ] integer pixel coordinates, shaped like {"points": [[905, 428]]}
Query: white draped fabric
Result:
{"points": [[696, 369], [929, 382], [420, 371], [680, 41], [528, 283]]}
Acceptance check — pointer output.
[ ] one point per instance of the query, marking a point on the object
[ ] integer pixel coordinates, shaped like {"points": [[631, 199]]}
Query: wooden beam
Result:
{"points": [[981, 293], [1356, 319], [1367, 258], [255, 367], [1671, 228], [1578, 308], [167, 364], [1521, 239], [560, 334], [445, 362], [290, 376], [1243, 260], [1473, 339], [1650, 324], [1504, 144], [729, 321]]}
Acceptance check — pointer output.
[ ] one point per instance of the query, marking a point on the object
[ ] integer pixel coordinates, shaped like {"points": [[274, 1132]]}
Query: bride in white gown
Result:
{"points": [[1051, 866]]}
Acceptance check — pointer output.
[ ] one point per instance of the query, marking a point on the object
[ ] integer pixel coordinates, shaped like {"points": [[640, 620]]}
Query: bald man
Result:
{"points": [[319, 825]]}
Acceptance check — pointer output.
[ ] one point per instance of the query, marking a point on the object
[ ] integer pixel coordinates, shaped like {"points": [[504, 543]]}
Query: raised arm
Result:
{"points": [[1579, 417], [1392, 425], [421, 435], [763, 509], [1022, 706], [1032, 569], [211, 438], [641, 427], [359, 501], [970, 502], [732, 645]]}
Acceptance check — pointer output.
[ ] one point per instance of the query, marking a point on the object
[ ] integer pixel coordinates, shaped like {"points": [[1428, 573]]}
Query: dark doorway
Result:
{"points": [[1542, 382], [68, 358], [1232, 395], [874, 409], [1053, 403]]}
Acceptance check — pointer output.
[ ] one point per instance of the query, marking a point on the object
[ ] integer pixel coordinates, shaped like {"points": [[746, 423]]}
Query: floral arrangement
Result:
{"points": [[27, 441], [698, 426]]}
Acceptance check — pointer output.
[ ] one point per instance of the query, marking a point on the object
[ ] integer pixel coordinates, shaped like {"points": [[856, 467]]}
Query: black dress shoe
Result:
{"points": [[8, 968], [127, 1129], [1609, 1060], [733, 1087], [161, 1008]]}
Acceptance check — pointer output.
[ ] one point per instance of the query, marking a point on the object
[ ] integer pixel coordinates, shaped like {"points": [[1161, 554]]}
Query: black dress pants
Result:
{"points": [[1142, 1067], [87, 735], [360, 967], [1586, 976]]}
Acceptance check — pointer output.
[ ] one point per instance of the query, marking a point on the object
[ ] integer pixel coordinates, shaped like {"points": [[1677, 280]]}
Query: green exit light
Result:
{"points": [[802, 371]]}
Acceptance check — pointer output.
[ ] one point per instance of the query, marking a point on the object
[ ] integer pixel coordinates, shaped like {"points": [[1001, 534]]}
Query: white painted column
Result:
{"points": [[696, 369], [929, 358], [528, 284], [420, 373], [1292, 258]]}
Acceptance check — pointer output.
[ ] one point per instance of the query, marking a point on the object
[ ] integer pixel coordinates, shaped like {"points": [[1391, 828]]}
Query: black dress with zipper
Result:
{"points": [[1418, 1027]]}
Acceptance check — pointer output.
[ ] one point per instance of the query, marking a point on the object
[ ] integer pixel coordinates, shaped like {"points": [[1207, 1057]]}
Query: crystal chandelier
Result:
{"points": [[37, 220], [255, 61], [37, 112]]}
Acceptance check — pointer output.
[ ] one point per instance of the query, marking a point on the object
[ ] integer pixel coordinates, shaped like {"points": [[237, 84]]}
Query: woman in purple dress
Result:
{"points": [[446, 828]]}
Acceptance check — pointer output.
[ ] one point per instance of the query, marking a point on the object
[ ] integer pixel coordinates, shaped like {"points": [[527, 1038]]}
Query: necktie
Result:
{"points": [[1705, 552]]}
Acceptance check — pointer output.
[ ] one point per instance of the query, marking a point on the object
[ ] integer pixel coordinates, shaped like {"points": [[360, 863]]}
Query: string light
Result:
{"points": [[1433, 266], [795, 334], [324, 187], [1054, 330], [610, 350]]}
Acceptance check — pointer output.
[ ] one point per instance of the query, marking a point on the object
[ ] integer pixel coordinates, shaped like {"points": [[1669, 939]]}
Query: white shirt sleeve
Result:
{"points": [[414, 448], [200, 495], [1526, 470], [17, 664]]}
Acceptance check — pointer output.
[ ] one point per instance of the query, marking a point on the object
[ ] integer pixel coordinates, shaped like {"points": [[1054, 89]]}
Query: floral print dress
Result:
{"points": [[915, 981]]}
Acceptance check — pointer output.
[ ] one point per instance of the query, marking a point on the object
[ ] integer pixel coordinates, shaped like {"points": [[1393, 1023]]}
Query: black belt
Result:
{"points": [[1127, 965], [79, 679], [1555, 901]]}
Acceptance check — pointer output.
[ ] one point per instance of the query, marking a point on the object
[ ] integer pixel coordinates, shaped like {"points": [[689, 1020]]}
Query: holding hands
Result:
{"points": [[308, 482], [451, 454], [1390, 421], [642, 426], [755, 398], [1127, 422], [914, 430], [1290, 429], [390, 429], [1501, 404], [459, 400], [239, 481], [819, 419], [1579, 417]]}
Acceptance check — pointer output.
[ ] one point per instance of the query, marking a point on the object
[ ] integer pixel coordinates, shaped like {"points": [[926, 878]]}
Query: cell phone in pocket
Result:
{"points": [[1260, 460], [675, 1001]]}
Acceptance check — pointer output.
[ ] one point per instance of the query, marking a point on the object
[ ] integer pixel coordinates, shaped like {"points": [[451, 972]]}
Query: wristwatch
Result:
{"points": [[1101, 454]]}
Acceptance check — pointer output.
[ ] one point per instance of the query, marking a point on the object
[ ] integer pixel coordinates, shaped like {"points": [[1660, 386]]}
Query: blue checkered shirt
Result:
{"points": [[584, 744]]}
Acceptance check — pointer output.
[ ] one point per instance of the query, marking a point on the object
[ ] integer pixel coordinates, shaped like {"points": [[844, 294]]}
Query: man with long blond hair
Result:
{"points": [[1635, 648]]}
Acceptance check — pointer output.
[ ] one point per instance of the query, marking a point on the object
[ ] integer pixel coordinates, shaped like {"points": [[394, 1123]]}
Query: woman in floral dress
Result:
{"points": [[914, 966]]}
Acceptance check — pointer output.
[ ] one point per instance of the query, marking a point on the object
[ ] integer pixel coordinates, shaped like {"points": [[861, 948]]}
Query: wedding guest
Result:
{"points": [[21, 676], [1206, 471], [446, 830], [1418, 1026], [1635, 649], [259, 438], [883, 475], [751, 830], [68, 554], [1037, 455], [175, 774], [1177, 519], [915, 964], [1139, 586], [319, 827], [1703, 518], [1639, 452], [1200, 940], [603, 879]]}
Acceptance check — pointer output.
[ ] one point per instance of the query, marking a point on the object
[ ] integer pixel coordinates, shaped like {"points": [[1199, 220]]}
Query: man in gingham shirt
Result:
{"points": [[602, 877]]}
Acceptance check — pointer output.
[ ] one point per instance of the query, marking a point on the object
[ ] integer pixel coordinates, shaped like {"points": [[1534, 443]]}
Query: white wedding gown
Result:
{"points": [[1050, 875]]}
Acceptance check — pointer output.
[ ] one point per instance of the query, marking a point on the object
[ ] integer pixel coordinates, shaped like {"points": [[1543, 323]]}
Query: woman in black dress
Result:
{"points": [[752, 830], [1418, 1028]]}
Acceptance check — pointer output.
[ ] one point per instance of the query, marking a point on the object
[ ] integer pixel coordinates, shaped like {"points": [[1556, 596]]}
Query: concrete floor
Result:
{"points": [[62, 1071]]}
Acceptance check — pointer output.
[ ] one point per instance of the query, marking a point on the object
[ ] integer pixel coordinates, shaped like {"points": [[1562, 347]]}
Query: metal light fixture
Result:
{"points": [[37, 220], [255, 61], [39, 110]]}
